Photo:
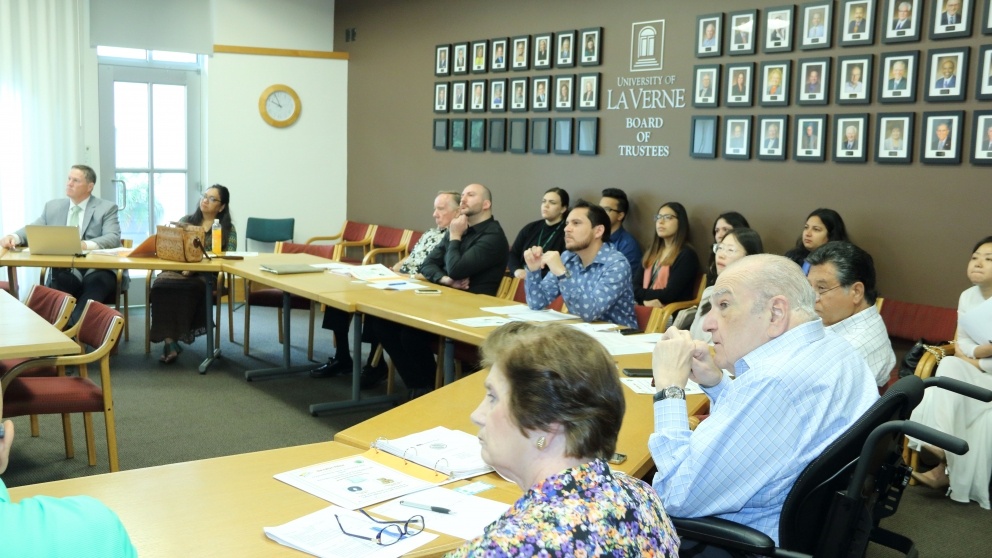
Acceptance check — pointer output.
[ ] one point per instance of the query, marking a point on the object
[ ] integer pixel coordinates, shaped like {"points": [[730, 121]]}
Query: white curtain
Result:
{"points": [[40, 107]]}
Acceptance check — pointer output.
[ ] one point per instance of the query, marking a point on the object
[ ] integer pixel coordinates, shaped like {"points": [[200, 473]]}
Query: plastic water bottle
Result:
{"points": [[215, 240]]}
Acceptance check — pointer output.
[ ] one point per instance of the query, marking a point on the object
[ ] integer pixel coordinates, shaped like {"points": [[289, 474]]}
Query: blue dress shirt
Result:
{"points": [[793, 396], [600, 291], [628, 246]]}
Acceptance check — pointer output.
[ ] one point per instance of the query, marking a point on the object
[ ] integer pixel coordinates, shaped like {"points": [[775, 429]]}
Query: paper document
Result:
{"points": [[484, 321], [470, 514], [396, 285], [522, 313], [374, 272], [335, 266], [617, 344], [319, 534], [242, 254], [643, 385], [592, 328], [452, 452], [353, 482], [119, 252]]}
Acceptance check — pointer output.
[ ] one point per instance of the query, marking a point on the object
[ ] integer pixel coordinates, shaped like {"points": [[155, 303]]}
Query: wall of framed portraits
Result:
{"points": [[879, 109]]}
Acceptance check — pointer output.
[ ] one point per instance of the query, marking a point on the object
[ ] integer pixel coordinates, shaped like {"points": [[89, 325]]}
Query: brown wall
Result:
{"points": [[918, 221]]}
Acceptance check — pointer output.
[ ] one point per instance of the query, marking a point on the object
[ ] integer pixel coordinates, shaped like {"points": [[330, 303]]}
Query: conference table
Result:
{"points": [[94, 260], [218, 507], [24, 334]]}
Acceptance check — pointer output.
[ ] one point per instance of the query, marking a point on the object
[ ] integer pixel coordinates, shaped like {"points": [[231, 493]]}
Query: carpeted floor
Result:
{"points": [[168, 414]]}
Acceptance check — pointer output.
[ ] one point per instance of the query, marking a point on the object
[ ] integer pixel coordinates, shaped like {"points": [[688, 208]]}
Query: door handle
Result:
{"points": [[123, 188]]}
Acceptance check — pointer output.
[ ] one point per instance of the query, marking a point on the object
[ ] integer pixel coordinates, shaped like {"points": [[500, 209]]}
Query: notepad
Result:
{"points": [[289, 269]]}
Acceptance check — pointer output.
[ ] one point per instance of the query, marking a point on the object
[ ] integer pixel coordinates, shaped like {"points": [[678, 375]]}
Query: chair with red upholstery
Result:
{"points": [[353, 235], [272, 298], [387, 240], [648, 318], [99, 327], [520, 295]]}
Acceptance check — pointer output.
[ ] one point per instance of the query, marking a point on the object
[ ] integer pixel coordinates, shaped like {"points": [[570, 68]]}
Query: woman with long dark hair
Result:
{"points": [[822, 226], [670, 265]]}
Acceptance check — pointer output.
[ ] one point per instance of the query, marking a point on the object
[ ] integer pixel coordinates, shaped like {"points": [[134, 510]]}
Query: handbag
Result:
{"points": [[179, 242], [913, 356]]}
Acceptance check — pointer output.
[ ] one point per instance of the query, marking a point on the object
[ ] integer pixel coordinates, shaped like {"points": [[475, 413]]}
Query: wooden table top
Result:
{"points": [[451, 406], [24, 334], [99, 261], [217, 507]]}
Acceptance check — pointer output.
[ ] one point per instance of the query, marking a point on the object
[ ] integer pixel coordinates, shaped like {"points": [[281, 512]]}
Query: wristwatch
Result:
{"points": [[671, 392]]}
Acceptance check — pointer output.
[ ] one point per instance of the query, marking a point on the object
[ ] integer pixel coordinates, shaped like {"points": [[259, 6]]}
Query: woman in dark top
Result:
{"points": [[548, 232], [670, 265], [822, 226], [725, 223], [177, 299]]}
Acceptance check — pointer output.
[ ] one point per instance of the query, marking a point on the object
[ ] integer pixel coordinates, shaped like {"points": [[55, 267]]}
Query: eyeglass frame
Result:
{"points": [[728, 249], [404, 530], [819, 293], [210, 199], [666, 217]]}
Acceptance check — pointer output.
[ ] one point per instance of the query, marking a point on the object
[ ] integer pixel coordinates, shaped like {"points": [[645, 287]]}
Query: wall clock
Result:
{"points": [[279, 105]]}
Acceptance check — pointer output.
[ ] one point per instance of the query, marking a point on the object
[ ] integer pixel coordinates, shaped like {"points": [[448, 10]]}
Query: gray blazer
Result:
{"points": [[99, 224]]}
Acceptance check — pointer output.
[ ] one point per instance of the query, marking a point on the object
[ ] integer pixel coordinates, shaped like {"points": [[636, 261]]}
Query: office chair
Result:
{"points": [[836, 504]]}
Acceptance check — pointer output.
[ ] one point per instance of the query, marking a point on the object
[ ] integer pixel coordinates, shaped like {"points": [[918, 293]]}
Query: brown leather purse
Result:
{"points": [[179, 242]]}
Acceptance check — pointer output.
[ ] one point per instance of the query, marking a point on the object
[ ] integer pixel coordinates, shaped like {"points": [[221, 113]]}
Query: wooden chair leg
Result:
{"points": [[70, 450], [108, 416], [90, 441], [35, 430]]}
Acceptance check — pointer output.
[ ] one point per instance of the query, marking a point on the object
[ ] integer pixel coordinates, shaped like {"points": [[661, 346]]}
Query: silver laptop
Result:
{"points": [[47, 240]]}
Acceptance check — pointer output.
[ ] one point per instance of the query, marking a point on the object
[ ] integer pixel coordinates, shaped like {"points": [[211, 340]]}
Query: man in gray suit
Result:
{"points": [[99, 228]]}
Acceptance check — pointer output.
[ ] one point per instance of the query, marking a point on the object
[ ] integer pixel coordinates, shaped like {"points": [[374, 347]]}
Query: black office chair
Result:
{"points": [[835, 506]]}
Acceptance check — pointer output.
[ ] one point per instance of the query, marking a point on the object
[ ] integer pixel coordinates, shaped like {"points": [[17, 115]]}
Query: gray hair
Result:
{"points": [[456, 197], [769, 276]]}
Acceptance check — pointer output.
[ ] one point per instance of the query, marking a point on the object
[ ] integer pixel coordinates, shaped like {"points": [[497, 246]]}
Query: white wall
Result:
{"points": [[300, 171]]}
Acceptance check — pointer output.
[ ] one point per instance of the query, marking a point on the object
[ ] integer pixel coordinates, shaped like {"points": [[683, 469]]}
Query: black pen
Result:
{"points": [[426, 507]]}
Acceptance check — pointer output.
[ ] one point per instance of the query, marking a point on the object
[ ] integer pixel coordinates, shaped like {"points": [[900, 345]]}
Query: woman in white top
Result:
{"points": [[966, 476], [736, 243]]}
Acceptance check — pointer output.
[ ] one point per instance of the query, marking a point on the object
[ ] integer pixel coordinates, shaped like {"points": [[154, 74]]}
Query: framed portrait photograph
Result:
{"points": [[850, 138], [565, 49], [740, 37], [812, 81], [816, 31], [772, 134], [500, 47], [950, 18], [703, 137], [441, 97], [542, 89], [518, 135], [987, 22], [589, 91], [901, 21], [440, 136], [543, 46], [778, 28], [810, 133], [709, 35], [853, 80], [497, 135], [591, 40], [478, 95], [518, 95], [858, 27], [564, 92], [540, 136], [897, 77], [497, 95], [947, 74], [477, 134], [739, 79], [562, 136], [775, 83], [587, 136], [460, 66], [737, 137], [442, 57], [981, 148], [480, 59], [940, 143], [458, 134], [520, 53], [895, 137], [706, 85], [458, 95], [983, 85]]}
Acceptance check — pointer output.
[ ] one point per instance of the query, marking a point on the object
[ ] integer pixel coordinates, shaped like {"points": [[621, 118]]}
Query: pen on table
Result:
{"points": [[426, 507], [398, 283]]}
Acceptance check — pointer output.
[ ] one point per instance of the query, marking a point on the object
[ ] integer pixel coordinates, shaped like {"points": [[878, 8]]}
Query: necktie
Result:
{"points": [[74, 216]]}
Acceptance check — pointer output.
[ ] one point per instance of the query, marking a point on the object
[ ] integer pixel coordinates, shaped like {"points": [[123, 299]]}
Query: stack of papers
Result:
{"points": [[522, 313], [451, 452], [374, 272]]}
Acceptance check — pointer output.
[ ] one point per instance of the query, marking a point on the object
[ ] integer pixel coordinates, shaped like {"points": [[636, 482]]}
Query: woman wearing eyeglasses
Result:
{"points": [[547, 232], [177, 299], [670, 265], [737, 243], [725, 223], [549, 422]]}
